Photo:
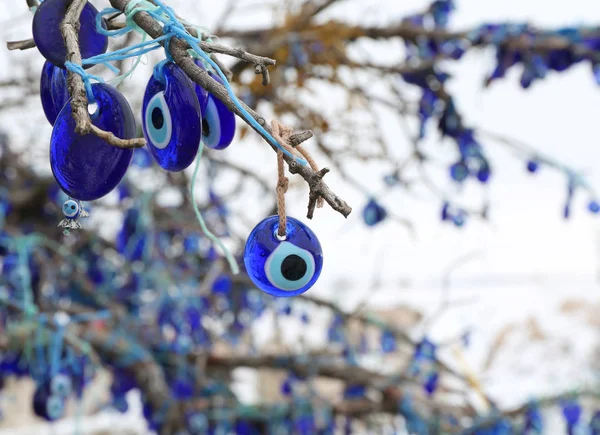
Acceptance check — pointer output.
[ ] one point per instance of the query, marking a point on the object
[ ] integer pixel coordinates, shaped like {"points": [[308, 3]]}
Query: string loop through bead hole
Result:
{"points": [[278, 236], [93, 109]]}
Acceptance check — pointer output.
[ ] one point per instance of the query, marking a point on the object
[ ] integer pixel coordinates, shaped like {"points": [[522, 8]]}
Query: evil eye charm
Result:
{"points": [[283, 267], [218, 122], [71, 209], [46, 405], [87, 167], [172, 121], [49, 41], [53, 90], [61, 385]]}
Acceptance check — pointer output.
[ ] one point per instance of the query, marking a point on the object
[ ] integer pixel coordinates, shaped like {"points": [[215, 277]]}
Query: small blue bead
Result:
{"points": [[593, 206], [532, 166], [459, 219], [283, 268], [459, 171], [373, 213]]}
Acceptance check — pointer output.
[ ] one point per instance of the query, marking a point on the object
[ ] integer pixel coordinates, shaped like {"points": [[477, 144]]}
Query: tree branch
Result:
{"points": [[178, 49], [69, 29]]}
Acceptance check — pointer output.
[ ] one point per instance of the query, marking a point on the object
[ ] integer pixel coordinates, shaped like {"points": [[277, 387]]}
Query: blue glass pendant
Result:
{"points": [[218, 123], [49, 41], [373, 213], [86, 167], [283, 267], [172, 121], [53, 90], [72, 210], [47, 405]]}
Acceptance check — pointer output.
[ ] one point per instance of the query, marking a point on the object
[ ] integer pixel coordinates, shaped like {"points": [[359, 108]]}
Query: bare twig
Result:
{"points": [[20, 45], [178, 49], [79, 103]]}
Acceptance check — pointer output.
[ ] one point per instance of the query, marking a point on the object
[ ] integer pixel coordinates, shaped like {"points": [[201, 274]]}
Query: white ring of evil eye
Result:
{"points": [[274, 263], [157, 112], [71, 208]]}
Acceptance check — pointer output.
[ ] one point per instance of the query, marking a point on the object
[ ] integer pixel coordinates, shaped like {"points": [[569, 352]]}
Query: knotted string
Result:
{"points": [[282, 134]]}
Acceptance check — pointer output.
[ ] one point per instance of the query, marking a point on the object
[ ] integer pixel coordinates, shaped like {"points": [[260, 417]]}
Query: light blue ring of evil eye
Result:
{"points": [[71, 209], [61, 385], [55, 407], [160, 136], [172, 120], [273, 267], [211, 118]]}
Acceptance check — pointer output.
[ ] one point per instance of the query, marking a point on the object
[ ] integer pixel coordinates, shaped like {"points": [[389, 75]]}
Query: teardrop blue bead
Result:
{"points": [[86, 167]]}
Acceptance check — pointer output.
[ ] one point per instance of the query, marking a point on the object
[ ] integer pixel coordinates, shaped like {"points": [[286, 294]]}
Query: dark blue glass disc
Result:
{"points": [[49, 40], [86, 167]]}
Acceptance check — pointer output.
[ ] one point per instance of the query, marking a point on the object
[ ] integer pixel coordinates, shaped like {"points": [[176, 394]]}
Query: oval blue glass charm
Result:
{"points": [[218, 122], [283, 267], [87, 167], [53, 90], [49, 40], [171, 119]]}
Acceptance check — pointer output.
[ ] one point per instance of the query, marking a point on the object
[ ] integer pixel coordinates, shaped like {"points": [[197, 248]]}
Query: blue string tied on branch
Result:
{"points": [[172, 27]]}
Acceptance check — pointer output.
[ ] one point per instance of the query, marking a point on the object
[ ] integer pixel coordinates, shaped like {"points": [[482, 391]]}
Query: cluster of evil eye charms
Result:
{"points": [[177, 114], [283, 266], [50, 397]]}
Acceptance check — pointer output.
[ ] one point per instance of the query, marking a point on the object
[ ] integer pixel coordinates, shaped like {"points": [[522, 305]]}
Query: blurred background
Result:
{"points": [[505, 289]]}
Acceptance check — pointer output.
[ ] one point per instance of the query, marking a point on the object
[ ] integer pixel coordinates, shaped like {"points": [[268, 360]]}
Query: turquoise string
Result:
{"points": [[78, 69], [230, 259], [175, 28]]}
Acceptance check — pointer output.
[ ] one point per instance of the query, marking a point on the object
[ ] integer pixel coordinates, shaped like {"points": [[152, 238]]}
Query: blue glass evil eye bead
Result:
{"points": [[283, 267], [53, 90], [86, 167], [172, 121], [218, 122], [49, 40]]}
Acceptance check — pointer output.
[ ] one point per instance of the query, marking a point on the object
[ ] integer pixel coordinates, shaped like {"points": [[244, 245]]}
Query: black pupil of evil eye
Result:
{"points": [[293, 267], [157, 118]]}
